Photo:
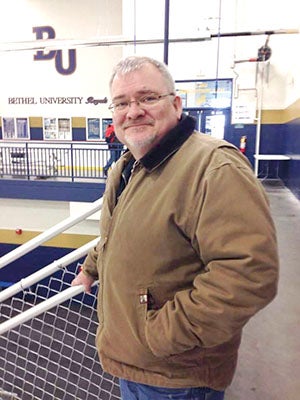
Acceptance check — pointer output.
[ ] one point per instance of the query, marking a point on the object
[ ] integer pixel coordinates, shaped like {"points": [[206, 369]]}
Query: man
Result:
{"points": [[187, 251]]}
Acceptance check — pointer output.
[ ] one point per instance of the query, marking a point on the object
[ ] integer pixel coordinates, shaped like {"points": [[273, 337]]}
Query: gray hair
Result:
{"points": [[133, 63]]}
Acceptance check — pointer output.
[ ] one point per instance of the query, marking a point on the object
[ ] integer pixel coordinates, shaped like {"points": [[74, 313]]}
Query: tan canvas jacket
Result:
{"points": [[186, 256]]}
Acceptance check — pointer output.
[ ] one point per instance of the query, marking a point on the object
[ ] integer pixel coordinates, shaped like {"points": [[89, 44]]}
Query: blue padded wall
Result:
{"points": [[291, 175]]}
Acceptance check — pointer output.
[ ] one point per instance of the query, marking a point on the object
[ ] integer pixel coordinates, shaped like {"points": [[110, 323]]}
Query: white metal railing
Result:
{"points": [[49, 233], [58, 323], [41, 308], [47, 343], [47, 271], [67, 161]]}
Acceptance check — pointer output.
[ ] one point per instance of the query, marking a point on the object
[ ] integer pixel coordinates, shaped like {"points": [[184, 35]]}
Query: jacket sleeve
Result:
{"points": [[232, 231], [89, 265]]}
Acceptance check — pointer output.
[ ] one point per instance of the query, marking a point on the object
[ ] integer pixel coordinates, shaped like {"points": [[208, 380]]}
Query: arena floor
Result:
{"points": [[269, 362]]}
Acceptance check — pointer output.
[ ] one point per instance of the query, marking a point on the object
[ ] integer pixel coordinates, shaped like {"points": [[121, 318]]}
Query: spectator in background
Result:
{"points": [[114, 145]]}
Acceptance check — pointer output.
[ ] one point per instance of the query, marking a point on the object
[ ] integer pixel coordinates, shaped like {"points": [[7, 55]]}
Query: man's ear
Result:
{"points": [[178, 106]]}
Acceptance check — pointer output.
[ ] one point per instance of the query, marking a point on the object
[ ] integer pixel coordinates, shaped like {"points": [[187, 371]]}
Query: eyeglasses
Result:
{"points": [[144, 102]]}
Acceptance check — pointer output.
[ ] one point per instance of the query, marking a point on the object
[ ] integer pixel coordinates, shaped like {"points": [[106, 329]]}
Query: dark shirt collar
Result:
{"points": [[170, 143]]}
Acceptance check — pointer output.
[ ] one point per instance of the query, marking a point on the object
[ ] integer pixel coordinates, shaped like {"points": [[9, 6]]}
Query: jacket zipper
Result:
{"points": [[135, 164]]}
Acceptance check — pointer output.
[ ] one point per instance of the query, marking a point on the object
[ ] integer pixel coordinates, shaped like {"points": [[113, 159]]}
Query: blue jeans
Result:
{"points": [[138, 391], [115, 153]]}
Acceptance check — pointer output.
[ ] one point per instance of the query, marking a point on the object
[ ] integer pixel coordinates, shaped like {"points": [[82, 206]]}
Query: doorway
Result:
{"points": [[213, 122]]}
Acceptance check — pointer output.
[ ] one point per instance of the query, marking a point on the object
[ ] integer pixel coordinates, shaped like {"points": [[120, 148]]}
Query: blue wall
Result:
{"points": [[291, 173], [50, 190], [275, 139]]}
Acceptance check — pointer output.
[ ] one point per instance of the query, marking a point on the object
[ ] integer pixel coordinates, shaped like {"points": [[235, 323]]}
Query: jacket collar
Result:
{"points": [[169, 143]]}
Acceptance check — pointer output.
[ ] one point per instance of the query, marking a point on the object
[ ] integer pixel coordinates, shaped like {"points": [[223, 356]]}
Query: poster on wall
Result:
{"points": [[8, 128], [213, 93], [15, 128], [64, 129], [22, 128], [244, 107], [93, 131], [209, 93], [57, 128], [50, 128]]}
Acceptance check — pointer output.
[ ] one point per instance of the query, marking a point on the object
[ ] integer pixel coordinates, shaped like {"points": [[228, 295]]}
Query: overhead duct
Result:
{"points": [[56, 44]]}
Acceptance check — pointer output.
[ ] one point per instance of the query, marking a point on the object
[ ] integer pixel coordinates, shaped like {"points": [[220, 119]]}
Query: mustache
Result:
{"points": [[138, 123]]}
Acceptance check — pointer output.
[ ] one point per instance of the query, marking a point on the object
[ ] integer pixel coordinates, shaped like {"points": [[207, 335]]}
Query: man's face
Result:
{"points": [[141, 126]]}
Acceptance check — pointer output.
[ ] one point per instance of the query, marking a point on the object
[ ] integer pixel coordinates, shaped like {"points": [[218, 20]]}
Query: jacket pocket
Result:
{"points": [[145, 303], [122, 338]]}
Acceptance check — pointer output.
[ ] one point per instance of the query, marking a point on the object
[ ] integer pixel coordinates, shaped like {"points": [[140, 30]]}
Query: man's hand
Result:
{"points": [[85, 280]]}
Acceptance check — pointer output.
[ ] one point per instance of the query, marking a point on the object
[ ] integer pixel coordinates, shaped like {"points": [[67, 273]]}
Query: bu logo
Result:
{"points": [[56, 54]]}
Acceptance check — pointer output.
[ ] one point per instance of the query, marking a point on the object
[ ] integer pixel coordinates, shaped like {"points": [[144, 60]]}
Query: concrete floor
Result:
{"points": [[269, 361]]}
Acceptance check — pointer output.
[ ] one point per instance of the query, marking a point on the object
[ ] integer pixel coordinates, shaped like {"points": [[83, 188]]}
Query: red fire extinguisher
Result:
{"points": [[243, 143]]}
